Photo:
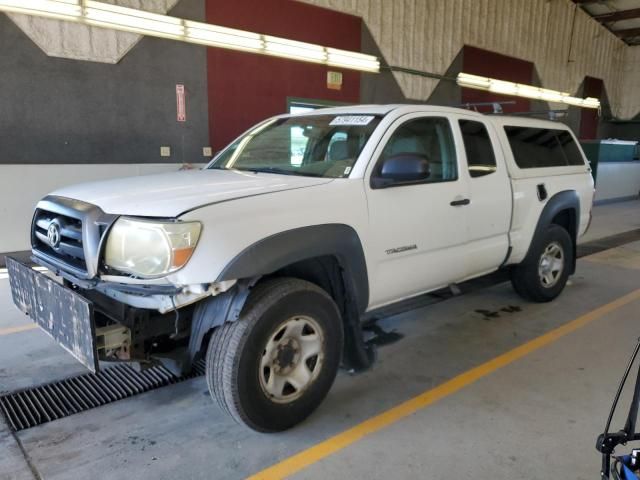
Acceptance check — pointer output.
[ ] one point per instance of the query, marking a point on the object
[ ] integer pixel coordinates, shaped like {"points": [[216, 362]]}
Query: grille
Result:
{"points": [[70, 249]]}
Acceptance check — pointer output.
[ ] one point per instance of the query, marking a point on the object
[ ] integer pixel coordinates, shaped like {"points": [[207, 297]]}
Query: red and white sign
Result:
{"points": [[181, 102]]}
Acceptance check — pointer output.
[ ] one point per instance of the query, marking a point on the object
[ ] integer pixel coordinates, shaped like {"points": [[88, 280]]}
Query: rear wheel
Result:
{"points": [[270, 369], [544, 275]]}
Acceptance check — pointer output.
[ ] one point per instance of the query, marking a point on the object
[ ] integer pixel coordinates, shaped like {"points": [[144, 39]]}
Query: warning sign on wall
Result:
{"points": [[181, 103], [334, 80]]}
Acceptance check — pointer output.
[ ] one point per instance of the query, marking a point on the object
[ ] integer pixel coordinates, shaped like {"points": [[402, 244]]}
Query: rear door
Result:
{"points": [[489, 211], [418, 231]]}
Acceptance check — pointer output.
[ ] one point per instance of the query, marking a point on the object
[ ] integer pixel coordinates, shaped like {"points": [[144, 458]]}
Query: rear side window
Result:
{"points": [[481, 159], [543, 147], [570, 149]]}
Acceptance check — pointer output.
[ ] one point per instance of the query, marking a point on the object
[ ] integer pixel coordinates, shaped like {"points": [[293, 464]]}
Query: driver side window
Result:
{"points": [[430, 138]]}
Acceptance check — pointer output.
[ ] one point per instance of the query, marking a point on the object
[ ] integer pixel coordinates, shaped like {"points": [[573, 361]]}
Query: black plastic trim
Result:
{"points": [[565, 200], [282, 249], [542, 192], [213, 312]]}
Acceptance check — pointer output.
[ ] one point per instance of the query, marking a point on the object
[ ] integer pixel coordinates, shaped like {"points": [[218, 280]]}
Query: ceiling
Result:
{"points": [[622, 17]]}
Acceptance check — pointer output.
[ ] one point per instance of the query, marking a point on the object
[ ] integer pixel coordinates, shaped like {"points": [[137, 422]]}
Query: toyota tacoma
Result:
{"points": [[263, 263]]}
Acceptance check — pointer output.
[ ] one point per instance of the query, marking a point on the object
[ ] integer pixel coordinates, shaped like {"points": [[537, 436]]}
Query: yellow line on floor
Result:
{"points": [[301, 460], [21, 328]]}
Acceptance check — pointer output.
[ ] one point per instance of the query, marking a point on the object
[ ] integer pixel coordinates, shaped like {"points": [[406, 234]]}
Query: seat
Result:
{"points": [[339, 150]]}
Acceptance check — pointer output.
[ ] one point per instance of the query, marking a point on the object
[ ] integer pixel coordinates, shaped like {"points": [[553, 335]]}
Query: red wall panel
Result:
{"points": [[245, 88], [502, 67], [593, 87]]}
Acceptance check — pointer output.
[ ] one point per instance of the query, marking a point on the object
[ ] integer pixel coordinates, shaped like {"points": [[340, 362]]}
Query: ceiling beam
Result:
{"points": [[620, 15], [627, 33]]}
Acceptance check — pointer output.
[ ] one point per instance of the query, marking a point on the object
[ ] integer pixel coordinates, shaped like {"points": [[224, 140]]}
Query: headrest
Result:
{"points": [[339, 150]]}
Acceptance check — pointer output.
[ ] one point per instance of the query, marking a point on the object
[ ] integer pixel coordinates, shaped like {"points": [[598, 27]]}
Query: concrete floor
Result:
{"points": [[612, 218], [535, 418]]}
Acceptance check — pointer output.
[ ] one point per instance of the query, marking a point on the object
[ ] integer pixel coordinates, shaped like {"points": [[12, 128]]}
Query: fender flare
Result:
{"points": [[565, 200], [278, 251], [214, 312], [285, 248]]}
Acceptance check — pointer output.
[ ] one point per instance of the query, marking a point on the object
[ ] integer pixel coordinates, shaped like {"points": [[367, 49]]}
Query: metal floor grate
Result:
{"points": [[37, 405]]}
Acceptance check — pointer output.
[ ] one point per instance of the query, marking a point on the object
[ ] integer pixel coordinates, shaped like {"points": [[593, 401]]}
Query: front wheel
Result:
{"points": [[544, 275], [270, 369]]}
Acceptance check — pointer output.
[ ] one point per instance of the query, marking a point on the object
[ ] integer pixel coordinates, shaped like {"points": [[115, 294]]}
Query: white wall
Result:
{"points": [[631, 82], [617, 180], [563, 41], [21, 187]]}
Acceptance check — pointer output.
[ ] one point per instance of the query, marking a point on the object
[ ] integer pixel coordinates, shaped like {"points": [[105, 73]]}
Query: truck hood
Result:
{"points": [[171, 194]]}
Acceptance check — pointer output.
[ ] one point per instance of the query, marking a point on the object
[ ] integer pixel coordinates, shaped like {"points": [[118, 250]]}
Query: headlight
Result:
{"points": [[148, 248]]}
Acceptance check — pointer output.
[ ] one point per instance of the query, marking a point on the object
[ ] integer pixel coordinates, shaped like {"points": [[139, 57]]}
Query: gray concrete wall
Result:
{"points": [[68, 121], [63, 111], [378, 88], [447, 92]]}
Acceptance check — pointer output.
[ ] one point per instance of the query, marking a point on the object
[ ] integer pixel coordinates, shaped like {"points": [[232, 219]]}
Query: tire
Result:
{"points": [[538, 278], [256, 368]]}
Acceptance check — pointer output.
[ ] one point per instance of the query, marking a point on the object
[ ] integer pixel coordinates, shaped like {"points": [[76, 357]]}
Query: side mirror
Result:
{"points": [[402, 169]]}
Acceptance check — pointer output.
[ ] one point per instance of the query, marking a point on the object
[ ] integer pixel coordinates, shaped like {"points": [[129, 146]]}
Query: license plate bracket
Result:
{"points": [[63, 314]]}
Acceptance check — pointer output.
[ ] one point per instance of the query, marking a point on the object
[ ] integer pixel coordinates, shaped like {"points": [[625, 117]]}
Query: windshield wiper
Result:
{"points": [[280, 171]]}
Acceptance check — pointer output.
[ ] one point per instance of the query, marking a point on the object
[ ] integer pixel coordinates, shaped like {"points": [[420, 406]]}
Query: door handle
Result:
{"points": [[460, 203]]}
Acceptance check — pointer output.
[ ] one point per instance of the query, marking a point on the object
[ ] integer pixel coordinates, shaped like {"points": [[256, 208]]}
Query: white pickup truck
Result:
{"points": [[264, 262]]}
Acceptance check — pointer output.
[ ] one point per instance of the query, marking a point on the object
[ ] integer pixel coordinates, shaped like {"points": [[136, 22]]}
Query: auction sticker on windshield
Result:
{"points": [[353, 120]]}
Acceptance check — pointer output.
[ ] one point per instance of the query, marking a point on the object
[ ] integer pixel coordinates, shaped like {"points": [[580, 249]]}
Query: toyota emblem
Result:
{"points": [[53, 235]]}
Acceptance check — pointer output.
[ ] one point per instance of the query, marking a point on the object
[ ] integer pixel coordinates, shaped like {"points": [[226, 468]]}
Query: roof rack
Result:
{"points": [[497, 110], [497, 106], [550, 114]]}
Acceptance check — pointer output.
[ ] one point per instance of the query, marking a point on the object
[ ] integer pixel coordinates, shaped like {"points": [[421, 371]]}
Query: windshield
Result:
{"points": [[314, 146]]}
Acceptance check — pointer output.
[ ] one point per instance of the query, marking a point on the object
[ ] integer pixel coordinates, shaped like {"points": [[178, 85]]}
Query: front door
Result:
{"points": [[419, 230]]}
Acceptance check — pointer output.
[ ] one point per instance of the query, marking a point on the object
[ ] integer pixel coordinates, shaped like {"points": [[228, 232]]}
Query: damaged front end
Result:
{"points": [[93, 325], [97, 302]]}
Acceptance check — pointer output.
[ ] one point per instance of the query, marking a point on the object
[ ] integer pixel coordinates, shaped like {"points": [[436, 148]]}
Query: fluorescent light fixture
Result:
{"points": [[297, 50], [527, 91], [505, 88], [223, 37], [588, 102], [347, 59], [474, 81], [59, 9], [105, 15]]}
